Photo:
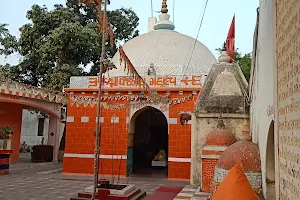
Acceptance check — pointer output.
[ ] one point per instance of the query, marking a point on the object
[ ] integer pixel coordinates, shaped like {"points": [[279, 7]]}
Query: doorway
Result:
{"points": [[149, 138], [270, 164]]}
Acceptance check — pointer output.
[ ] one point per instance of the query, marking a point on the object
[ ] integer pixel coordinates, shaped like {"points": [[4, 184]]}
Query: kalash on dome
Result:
{"points": [[139, 126]]}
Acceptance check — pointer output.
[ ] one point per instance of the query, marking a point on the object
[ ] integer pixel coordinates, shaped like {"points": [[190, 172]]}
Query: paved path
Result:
{"points": [[35, 181]]}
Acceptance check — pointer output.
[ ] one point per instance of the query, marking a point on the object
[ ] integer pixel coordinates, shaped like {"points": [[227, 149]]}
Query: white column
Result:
{"points": [[54, 136]]}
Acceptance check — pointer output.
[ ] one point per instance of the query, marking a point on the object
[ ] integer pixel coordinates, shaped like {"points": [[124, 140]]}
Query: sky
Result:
{"points": [[215, 26]]}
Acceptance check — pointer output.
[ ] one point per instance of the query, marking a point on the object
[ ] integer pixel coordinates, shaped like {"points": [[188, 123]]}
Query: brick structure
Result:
{"points": [[216, 142], [80, 138], [129, 126]]}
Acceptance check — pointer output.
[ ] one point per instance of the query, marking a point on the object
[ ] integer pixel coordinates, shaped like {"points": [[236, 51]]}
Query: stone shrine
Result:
{"points": [[224, 91]]}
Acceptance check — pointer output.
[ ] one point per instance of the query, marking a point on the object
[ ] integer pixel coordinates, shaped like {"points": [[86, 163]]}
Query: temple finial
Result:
{"points": [[164, 8], [164, 22]]}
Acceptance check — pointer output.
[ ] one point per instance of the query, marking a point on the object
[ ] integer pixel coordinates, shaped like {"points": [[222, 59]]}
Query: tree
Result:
{"points": [[60, 43], [10, 72], [3, 30], [244, 61]]}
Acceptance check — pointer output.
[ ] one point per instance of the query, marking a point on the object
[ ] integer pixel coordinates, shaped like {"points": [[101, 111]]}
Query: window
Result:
{"points": [[41, 126]]}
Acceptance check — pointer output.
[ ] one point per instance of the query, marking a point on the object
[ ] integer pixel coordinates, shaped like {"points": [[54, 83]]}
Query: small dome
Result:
{"points": [[220, 136], [244, 152]]}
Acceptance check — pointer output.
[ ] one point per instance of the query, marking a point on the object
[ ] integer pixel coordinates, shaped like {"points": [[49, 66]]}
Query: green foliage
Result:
{"points": [[5, 132], [3, 30], [62, 42], [244, 61], [245, 64], [10, 72]]}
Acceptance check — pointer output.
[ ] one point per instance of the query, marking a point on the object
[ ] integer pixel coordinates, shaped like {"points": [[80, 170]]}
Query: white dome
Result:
{"points": [[169, 51]]}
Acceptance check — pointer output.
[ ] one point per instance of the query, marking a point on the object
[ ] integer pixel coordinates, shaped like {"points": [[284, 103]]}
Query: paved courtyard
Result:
{"points": [[35, 181]]}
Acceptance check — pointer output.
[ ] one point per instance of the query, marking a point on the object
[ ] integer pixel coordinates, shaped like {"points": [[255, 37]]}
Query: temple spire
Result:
{"points": [[164, 8], [164, 22]]}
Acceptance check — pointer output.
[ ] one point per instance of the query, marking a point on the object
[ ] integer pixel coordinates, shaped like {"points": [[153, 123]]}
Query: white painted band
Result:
{"points": [[172, 120], [85, 119], [70, 119], [254, 178], [101, 119], [170, 159], [74, 155], [210, 156], [214, 148]]}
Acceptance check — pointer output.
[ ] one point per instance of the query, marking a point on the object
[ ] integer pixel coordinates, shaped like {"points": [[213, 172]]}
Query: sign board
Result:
{"points": [[128, 82]]}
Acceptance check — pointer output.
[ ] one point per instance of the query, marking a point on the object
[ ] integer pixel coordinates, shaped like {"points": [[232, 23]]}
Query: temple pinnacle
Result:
{"points": [[164, 8]]}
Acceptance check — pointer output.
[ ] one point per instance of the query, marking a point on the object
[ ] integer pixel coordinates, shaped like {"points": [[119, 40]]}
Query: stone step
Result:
{"points": [[139, 196]]}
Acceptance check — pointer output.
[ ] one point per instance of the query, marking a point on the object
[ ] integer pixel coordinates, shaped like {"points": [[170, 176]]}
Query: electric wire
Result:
{"points": [[195, 31], [195, 42]]}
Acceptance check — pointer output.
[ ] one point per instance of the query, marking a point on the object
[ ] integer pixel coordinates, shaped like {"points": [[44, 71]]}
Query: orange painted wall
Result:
{"points": [[80, 138], [12, 117]]}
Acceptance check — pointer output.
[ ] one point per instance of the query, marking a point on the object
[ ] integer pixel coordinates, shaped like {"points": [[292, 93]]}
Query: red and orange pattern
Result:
{"points": [[216, 142]]}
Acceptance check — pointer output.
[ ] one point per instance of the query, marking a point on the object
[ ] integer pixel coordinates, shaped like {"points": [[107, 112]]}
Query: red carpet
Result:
{"points": [[163, 193], [172, 190]]}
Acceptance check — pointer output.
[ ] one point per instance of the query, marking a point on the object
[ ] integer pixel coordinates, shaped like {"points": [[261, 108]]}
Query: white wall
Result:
{"points": [[263, 96], [29, 132]]}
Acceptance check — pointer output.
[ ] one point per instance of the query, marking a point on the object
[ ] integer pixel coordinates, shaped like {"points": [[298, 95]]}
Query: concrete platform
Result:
{"points": [[136, 194], [128, 189]]}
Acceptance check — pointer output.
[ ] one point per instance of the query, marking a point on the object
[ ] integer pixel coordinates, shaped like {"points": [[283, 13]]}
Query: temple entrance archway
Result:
{"points": [[15, 97], [148, 135], [270, 163]]}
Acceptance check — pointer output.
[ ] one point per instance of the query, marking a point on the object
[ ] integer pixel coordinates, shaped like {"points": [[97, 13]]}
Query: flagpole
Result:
{"points": [[151, 8], [98, 127]]}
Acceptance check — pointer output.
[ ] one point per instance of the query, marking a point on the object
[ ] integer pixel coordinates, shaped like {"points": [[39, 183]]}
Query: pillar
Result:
{"points": [[54, 136]]}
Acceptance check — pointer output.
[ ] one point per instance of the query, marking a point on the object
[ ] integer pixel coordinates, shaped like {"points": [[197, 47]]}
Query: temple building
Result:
{"points": [[139, 132], [202, 134]]}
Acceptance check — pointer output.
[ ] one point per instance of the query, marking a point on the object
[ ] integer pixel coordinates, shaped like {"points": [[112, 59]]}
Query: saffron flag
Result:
{"points": [[230, 40]]}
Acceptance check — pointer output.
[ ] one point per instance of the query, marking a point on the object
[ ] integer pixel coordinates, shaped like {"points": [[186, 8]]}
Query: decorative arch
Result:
{"points": [[33, 106], [270, 163], [53, 109], [134, 113], [132, 132]]}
